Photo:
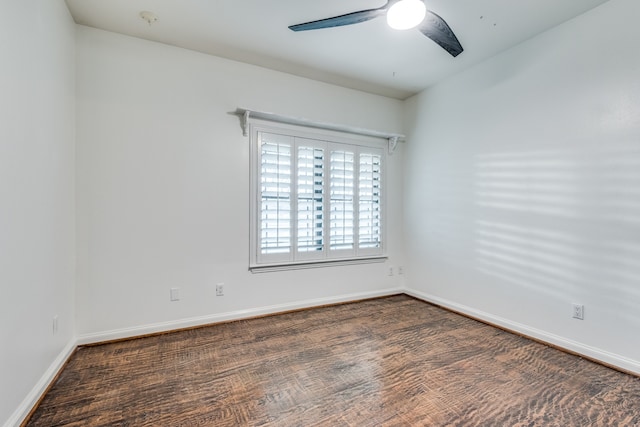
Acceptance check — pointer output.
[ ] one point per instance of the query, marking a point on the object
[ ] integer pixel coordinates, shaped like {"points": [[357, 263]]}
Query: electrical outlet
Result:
{"points": [[175, 294], [578, 311], [390, 271], [220, 289], [55, 324], [400, 270]]}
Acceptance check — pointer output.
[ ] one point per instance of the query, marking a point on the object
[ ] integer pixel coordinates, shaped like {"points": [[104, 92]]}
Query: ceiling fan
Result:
{"points": [[401, 14]]}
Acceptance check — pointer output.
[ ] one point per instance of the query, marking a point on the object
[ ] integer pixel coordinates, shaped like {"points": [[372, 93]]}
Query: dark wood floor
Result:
{"points": [[394, 361]]}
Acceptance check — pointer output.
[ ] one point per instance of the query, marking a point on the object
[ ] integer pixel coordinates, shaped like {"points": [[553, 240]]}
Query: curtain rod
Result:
{"points": [[246, 114]]}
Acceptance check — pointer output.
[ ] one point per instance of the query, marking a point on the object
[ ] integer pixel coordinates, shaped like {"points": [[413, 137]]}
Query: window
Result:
{"points": [[316, 197]]}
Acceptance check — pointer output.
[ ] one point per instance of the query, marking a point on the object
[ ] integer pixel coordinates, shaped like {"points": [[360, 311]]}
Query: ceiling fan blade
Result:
{"points": [[337, 21], [439, 31]]}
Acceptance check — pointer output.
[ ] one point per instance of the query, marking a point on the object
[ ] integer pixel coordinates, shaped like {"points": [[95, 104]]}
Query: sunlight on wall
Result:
{"points": [[578, 222], [532, 258], [541, 182]]}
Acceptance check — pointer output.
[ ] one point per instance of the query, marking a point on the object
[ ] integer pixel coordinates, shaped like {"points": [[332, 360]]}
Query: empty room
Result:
{"points": [[305, 212]]}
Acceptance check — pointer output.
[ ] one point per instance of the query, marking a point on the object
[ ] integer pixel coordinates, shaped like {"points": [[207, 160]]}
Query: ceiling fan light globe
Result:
{"points": [[406, 14]]}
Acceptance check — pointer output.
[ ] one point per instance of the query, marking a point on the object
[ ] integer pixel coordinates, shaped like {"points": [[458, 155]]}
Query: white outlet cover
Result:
{"points": [[578, 311]]}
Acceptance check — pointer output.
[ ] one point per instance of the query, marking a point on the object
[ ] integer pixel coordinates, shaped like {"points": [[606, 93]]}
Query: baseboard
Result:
{"points": [[36, 393], [154, 328], [598, 355]]}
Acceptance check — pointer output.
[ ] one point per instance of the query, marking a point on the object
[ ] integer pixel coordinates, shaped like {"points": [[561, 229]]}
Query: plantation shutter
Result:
{"points": [[342, 193], [310, 199], [315, 200], [369, 201], [275, 196]]}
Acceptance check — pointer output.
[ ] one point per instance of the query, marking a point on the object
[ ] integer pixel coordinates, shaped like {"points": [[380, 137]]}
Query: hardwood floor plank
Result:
{"points": [[393, 361]]}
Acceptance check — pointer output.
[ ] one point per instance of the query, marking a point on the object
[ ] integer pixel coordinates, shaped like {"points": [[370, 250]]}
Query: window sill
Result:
{"points": [[315, 264]]}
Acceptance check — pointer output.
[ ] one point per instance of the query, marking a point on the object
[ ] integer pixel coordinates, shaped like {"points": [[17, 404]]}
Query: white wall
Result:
{"points": [[523, 187], [37, 238], [163, 187]]}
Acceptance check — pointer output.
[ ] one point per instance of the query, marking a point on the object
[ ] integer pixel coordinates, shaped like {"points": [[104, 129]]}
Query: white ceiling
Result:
{"points": [[369, 56]]}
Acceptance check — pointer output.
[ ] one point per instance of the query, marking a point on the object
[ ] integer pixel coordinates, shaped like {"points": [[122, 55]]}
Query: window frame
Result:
{"points": [[328, 139]]}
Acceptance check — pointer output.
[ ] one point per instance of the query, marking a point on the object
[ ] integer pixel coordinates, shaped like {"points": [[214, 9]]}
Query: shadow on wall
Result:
{"points": [[562, 222]]}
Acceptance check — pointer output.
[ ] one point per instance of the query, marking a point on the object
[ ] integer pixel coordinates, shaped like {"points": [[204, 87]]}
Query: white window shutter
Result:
{"points": [[310, 177], [275, 197], [315, 200], [370, 202], [342, 197]]}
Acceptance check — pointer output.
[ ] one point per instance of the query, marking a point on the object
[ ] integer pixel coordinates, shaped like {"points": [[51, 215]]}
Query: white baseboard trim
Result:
{"points": [[22, 411], [602, 356], [153, 328]]}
